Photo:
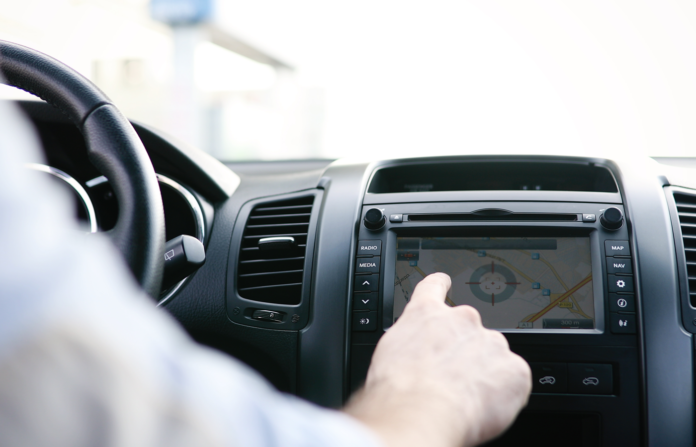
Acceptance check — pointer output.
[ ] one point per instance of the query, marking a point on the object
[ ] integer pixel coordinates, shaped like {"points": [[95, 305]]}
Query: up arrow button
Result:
{"points": [[366, 283]]}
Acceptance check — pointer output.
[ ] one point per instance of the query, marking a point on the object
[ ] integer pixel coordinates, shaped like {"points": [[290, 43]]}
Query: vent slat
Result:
{"points": [[259, 236], [276, 286], [257, 261], [274, 275], [257, 248], [248, 275], [282, 208], [280, 216], [281, 225]]}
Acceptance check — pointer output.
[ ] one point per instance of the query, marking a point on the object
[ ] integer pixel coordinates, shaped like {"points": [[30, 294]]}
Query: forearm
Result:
{"points": [[402, 418]]}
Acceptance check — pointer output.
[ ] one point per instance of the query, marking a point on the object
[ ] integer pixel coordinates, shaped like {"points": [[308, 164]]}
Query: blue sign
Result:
{"points": [[181, 12]]}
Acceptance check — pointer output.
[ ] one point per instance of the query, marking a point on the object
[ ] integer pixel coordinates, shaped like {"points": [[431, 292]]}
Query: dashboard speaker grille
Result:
{"points": [[686, 210], [272, 273]]}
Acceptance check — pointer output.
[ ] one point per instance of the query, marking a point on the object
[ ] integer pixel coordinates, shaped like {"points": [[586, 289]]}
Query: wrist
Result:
{"points": [[411, 417]]}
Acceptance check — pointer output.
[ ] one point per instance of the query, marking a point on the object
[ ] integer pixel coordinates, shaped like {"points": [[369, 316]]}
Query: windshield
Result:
{"points": [[289, 79]]}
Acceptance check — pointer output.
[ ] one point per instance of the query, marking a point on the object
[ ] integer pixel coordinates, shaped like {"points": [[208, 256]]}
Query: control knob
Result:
{"points": [[374, 219], [612, 218]]}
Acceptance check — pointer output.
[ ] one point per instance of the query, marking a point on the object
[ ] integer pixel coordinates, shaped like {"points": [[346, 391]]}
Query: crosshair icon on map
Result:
{"points": [[493, 283]]}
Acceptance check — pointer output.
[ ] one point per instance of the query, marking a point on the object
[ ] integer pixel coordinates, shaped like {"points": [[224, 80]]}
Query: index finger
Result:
{"points": [[433, 288]]}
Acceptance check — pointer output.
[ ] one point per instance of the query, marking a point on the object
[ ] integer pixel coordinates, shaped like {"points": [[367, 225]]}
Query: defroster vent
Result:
{"points": [[272, 255], [686, 210]]}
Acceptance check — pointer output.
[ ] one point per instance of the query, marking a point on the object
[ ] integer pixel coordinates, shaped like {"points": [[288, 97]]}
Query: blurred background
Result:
{"points": [[285, 79]]}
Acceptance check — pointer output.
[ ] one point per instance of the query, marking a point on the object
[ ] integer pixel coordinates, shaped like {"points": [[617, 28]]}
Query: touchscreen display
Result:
{"points": [[515, 283]]}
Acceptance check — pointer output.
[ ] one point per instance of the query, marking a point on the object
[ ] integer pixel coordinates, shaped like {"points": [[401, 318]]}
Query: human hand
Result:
{"points": [[439, 378]]}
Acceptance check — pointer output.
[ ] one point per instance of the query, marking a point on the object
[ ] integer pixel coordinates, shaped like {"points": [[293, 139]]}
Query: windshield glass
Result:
{"points": [[288, 79]]}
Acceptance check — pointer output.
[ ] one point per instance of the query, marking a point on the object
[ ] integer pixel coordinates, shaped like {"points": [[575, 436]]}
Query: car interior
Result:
{"points": [[297, 268]]}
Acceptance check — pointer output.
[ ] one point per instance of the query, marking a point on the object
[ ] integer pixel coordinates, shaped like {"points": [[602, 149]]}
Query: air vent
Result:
{"points": [[686, 209], [272, 271]]}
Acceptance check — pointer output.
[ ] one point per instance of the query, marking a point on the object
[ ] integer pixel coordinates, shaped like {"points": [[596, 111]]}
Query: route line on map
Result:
{"points": [[560, 280], [512, 267], [558, 300], [399, 282]]}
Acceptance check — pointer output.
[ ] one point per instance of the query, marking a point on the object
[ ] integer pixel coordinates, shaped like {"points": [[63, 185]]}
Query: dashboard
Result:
{"points": [[588, 266]]}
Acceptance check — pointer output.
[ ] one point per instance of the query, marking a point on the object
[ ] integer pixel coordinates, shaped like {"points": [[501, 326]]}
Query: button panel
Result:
{"points": [[396, 218], [572, 378], [619, 265], [369, 248], [617, 248], [367, 265], [620, 283], [365, 301], [622, 302], [623, 323], [365, 321], [366, 283], [549, 377], [586, 378], [589, 217]]}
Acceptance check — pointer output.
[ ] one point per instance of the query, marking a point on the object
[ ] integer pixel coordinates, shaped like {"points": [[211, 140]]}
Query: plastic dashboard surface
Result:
{"points": [[651, 397]]}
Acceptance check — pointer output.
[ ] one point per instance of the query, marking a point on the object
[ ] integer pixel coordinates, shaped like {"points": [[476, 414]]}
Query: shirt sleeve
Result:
{"points": [[85, 357]]}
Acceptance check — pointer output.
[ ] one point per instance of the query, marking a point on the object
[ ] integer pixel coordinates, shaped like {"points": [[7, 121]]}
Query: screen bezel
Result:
{"points": [[493, 230]]}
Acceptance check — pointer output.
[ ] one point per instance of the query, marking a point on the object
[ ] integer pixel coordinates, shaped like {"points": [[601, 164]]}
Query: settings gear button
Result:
{"points": [[620, 283]]}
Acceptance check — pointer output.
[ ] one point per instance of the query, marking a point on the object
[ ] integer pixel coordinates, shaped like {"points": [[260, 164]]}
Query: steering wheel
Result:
{"points": [[113, 148]]}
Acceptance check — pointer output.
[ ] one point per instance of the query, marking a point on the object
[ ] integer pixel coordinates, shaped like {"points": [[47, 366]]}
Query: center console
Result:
{"points": [[554, 276]]}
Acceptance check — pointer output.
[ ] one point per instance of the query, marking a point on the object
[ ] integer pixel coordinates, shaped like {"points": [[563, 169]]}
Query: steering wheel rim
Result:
{"points": [[113, 147]]}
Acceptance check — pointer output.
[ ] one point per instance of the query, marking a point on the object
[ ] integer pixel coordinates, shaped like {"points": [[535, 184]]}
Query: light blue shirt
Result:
{"points": [[87, 360]]}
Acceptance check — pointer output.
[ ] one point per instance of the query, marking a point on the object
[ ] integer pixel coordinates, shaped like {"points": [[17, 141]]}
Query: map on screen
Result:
{"points": [[515, 283]]}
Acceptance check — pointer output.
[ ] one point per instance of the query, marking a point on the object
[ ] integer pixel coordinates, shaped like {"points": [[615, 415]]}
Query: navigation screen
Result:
{"points": [[515, 283]]}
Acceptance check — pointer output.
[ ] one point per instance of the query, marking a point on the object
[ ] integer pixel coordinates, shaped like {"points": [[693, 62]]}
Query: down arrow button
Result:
{"points": [[365, 301]]}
